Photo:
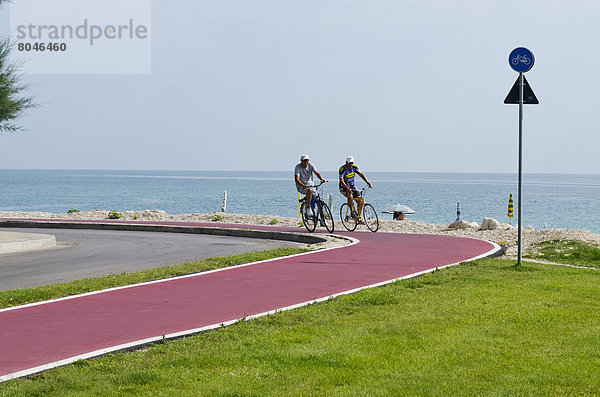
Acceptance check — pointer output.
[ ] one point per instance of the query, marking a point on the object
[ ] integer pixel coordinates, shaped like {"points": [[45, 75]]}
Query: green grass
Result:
{"points": [[569, 252], [53, 291], [481, 328]]}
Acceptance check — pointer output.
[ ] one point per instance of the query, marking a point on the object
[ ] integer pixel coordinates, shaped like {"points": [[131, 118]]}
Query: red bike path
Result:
{"points": [[45, 335]]}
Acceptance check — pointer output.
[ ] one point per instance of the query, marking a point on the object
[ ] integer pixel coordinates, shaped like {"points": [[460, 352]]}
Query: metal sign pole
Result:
{"points": [[520, 163], [520, 60]]}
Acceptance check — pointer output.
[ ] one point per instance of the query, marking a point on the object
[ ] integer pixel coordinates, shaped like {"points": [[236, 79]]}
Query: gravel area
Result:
{"points": [[505, 234]]}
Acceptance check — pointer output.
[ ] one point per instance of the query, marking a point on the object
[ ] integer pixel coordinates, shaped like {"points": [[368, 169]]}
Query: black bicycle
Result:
{"points": [[321, 214], [367, 215]]}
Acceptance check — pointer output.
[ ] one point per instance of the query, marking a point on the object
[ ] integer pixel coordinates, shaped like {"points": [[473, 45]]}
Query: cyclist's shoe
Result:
{"points": [[354, 215], [309, 213], [360, 222]]}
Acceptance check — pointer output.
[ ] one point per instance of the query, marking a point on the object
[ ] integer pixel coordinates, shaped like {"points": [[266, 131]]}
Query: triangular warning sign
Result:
{"points": [[528, 95]]}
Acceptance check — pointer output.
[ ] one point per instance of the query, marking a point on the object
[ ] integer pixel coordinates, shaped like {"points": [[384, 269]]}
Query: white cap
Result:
{"points": [[349, 159], [304, 157]]}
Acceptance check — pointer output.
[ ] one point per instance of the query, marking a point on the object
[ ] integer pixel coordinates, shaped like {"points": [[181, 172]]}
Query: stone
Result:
{"points": [[459, 225], [155, 212], [489, 224]]}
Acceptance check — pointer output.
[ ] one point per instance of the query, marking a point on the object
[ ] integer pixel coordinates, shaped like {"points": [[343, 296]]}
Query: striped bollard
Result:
{"points": [[224, 205]]}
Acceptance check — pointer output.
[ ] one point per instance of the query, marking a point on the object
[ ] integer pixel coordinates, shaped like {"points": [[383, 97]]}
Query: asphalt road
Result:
{"points": [[93, 253]]}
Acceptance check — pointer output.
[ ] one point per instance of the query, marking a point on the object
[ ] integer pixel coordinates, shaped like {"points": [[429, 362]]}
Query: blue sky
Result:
{"points": [[401, 85]]}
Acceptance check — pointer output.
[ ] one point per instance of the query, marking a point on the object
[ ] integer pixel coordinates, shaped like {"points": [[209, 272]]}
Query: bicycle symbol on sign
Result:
{"points": [[522, 59]]}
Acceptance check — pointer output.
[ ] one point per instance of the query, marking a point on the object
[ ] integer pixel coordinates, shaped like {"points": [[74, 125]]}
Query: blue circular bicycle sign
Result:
{"points": [[521, 59]]}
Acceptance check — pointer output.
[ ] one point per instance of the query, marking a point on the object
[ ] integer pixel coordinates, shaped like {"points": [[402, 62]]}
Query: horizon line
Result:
{"points": [[246, 171]]}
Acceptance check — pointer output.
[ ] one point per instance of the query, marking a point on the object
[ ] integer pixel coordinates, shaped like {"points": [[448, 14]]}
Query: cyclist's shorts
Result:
{"points": [[355, 192], [304, 191]]}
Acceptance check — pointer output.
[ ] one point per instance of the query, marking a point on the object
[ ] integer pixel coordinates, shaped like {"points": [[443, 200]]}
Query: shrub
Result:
{"points": [[217, 218], [114, 215]]}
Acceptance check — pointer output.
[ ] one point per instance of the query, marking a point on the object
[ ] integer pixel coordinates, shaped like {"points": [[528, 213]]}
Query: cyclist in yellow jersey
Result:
{"points": [[347, 173]]}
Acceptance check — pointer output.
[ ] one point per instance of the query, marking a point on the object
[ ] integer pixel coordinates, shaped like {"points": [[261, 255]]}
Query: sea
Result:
{"points": [[549, 200]]}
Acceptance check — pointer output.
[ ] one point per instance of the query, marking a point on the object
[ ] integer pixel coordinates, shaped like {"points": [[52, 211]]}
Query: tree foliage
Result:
{"points": [[12, 102]]}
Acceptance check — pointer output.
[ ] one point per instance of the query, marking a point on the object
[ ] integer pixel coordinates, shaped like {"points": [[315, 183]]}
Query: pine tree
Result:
{"points": [[12, 103]]}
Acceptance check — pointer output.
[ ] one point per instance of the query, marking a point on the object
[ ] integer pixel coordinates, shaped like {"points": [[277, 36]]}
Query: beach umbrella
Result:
{"points": [[511, 210], [398, 208]]}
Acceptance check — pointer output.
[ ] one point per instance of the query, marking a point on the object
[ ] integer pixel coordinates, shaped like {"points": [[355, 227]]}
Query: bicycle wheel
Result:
{"points": [[370, 217], [327, 217], [309, 220], [346, 217]]}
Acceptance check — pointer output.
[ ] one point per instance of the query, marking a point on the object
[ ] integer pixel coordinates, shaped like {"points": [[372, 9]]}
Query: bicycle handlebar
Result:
{"points": [[362, 191], [322, 182]]}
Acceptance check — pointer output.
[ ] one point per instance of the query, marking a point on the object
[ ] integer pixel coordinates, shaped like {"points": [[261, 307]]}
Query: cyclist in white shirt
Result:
{"points": [[303, 176]]}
